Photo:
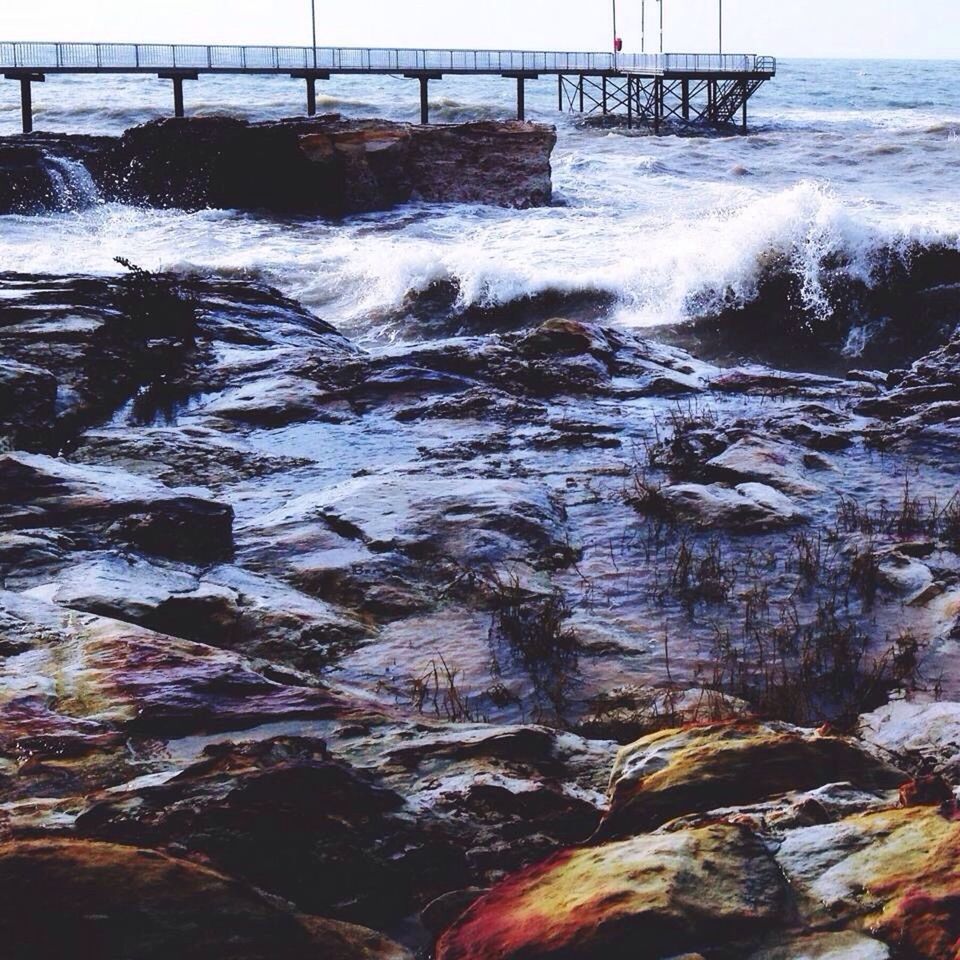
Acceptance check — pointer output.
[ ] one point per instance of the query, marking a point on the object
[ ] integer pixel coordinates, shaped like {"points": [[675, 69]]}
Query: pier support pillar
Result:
{"points": [[521, 79], [424, 100], [560, 93], [26, 96], [311, 77], [424, 79], [685, 93], [604, 95], [178, 77], [629, 102], [745, 92]]}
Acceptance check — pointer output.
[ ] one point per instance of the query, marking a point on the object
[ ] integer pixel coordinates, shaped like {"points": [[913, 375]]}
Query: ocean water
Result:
{"points": [[846, 161]]}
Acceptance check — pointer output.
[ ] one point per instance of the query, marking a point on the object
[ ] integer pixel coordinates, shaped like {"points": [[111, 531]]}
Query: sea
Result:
{"points": [[845, 162]]}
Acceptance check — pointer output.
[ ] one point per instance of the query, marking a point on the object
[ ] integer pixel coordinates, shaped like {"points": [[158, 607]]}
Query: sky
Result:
{"points": [[784, 28]]}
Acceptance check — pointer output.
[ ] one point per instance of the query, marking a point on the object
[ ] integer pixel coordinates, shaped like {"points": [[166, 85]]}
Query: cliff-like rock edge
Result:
{"points": [[328, 166]]}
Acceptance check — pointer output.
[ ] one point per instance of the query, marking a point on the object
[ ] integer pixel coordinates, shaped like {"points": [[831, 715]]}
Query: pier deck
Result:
{"points": [[648, 88]]}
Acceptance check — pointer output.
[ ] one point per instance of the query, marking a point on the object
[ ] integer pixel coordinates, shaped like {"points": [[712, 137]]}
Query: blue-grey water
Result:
{"points": [[843, 157]]}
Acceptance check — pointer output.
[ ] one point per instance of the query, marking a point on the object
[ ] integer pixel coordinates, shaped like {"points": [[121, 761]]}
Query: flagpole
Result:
{"points": [[313, 13]]}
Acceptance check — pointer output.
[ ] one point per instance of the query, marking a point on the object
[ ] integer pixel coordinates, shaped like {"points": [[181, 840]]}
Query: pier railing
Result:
{"points": [[150, 57]]}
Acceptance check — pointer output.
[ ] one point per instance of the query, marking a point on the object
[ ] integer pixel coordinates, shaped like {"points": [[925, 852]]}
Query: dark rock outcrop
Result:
{"points": [[328, 166], [121, 903]]}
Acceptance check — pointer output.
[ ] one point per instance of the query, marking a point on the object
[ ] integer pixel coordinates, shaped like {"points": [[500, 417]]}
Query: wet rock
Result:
{"points": [[763, 380], [904, 574], [285, 816], [329, 165], [753, 459], [847, 945], [95, 503], [27, 398], [145, 683], [673, 773], [122, 903], [225, 607], [649, 896], [746, 507], [27, 186], [893, 871], [917, 735], [816, 426], [197, 455], [627, 713]]}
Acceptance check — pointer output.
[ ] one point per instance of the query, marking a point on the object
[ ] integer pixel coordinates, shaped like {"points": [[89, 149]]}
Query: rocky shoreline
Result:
{"points": [[328, 166], [554, 642]]}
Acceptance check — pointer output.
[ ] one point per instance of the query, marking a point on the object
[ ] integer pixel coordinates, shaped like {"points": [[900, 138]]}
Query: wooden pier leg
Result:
{"points": [[560, 92], [581, 93], [685, 86], [311, 96], [604, 95], [521, 99], [424, 100], [743, 124], [629, 103]]}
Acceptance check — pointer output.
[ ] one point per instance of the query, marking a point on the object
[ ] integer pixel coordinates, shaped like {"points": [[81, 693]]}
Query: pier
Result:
{"points": [[656, 90]]}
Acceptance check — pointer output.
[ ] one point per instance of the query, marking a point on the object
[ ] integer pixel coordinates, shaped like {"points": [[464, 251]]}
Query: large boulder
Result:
{"points": [[329, 165], [697, 769], [894, 871], [61, 898], [645, 898]]}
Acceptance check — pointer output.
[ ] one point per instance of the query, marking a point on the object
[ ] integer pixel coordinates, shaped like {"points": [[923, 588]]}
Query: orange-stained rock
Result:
{"points": [[69, 898], [697, 769], [925, 791], [648, 897], [895, 872]]}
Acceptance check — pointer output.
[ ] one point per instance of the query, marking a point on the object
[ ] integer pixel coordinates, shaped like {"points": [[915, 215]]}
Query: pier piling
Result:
{"points": [[311, 77], [26, 96], [178, 76]]}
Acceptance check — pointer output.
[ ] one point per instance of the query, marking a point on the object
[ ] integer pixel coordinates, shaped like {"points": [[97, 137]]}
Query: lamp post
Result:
{"points": [[313, 14], [721, 27], [661, 25], [643, 26], [614, 34]]}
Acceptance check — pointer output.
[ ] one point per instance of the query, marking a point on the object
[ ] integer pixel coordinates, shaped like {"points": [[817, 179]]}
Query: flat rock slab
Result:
{"points": [[100, 504]]}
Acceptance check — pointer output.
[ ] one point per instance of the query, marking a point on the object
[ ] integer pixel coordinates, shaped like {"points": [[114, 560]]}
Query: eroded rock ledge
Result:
{"points": [[329, 165]]}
